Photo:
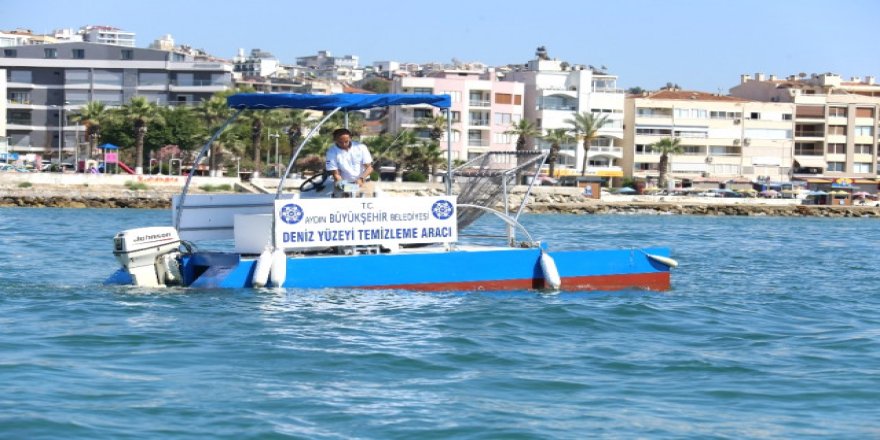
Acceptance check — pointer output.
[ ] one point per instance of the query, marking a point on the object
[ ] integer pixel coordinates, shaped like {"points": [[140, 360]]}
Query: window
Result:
{"points": [[503, 98], [754, 115], [864, 112], [423, 90], [18, 117], [108, 77], [76, 77], [836, 149], [835, 166], [724, 115], [501, 138], [78, 54], [50, 53], [861, 167], [691, 113], [10, 53], [422, 113], [786, 116], [724, 150], [456, 116], [76, 96], [837, 130], [20, 76], [864, 149], [454, 96], [647, 166], [864, 130], [692, 150], [517, 99], [178, 57], [127, 54], [108, 97], [653, 131], [152, 78], [19, 97], [644, 149], [837, 112], [503, 118]]}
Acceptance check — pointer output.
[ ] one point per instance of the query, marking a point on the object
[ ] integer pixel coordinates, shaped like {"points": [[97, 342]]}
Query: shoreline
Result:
{"points": [[72, 191]]}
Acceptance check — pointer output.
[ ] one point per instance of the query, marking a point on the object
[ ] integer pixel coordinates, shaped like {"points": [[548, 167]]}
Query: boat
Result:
{"points": [[307, 239]]}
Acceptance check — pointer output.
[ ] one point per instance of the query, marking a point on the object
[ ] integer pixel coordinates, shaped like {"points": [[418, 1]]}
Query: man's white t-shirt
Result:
{"points": [[350, 163]]}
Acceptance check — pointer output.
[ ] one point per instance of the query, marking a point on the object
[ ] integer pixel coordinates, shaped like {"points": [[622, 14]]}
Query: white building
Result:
{"points": [[258, 64], [107, 35], [555, 92]]}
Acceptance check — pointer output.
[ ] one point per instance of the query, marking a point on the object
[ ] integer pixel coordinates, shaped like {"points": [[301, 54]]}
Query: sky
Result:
{"points": [[700, 45]]}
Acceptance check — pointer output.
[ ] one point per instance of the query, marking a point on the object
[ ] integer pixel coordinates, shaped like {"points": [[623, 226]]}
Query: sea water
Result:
{"points": [[771, 330]]}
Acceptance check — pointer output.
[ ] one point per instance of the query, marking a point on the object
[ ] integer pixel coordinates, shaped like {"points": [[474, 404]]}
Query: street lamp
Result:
{"points": [[276, 136]]}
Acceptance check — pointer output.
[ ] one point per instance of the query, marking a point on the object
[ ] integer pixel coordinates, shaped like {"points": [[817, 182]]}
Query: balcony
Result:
{"points": [[477, 143], [819, 134], [478, 122], [479, 103], [615, 152]]}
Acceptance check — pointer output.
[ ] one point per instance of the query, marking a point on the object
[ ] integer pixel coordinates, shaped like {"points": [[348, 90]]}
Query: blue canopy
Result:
{"points": [[345, 101], [109, 147]]}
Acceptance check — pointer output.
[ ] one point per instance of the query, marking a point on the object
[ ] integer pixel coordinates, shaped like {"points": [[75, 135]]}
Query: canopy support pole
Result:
{"points": [[448, 152], [196, 164], [298, 149]]}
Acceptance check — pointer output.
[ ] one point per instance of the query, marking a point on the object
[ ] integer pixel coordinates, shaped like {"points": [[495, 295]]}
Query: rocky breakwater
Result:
{"points": [[575, 203], [79, 197]]}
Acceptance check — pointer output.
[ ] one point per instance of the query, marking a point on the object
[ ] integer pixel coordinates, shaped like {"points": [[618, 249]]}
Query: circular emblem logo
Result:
{"points": [[291, 214], [442, 209]]}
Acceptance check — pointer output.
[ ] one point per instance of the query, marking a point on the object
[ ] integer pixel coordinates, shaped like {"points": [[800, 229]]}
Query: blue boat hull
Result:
{"points": [[484, 269]]}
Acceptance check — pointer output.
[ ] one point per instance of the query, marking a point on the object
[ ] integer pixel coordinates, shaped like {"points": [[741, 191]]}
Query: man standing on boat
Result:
{"points": [[349, 162]]}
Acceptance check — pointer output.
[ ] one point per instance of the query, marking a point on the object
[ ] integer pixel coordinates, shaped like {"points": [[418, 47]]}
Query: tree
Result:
{"points": [[523, 130], [92, 116], [635, 90], [376, 85], [586, 126], [140, 113], [213, 112], [401, 151], [436, 126], [556, 137], [665, 147]]}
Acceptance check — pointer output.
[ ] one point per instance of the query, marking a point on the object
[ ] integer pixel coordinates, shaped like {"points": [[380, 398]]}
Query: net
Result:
{"points": [[486, 180]]}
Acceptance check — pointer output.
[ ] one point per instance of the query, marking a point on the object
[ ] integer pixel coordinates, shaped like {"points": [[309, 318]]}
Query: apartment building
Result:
{"points": [[259, 64], [835, 122], [483, 108], [47, 83], [555, 91], [723, 138], [107, 35]]}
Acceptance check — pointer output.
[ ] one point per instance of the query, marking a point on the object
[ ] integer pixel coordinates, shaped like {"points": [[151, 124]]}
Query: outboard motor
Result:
{"points": [[150, 255]]}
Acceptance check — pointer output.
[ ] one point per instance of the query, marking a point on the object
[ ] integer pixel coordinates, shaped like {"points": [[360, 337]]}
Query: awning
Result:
{"points": [[609, 173], [811, 161]]}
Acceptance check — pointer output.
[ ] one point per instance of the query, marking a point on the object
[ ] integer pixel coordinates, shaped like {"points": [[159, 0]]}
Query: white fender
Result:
{"points": [[663, 260], [261, 269], [279, 268], [551, 273]]}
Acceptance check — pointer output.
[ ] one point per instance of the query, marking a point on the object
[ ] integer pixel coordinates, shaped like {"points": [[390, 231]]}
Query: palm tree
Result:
{"points": [[141, 113], [436, 126], [556, 137], [297, 121], [523, 130], [586, 126], [213, 112], [665, 147], [401, 153], [92, 116]]}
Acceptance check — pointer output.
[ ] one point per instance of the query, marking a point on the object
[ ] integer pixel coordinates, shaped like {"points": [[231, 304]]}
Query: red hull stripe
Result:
{"points": [[658, 281]]}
